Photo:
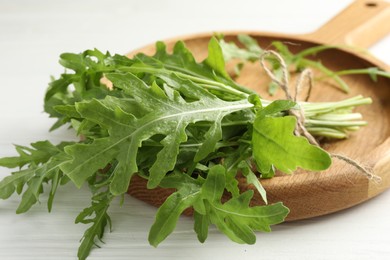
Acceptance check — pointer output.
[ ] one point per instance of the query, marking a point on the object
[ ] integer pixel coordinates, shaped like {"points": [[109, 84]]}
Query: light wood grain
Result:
{"points": [[362, 24], [309, 194]]}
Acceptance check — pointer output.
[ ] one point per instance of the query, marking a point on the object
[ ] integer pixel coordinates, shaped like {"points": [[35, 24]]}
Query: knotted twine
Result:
{"points": [[305, 76]]}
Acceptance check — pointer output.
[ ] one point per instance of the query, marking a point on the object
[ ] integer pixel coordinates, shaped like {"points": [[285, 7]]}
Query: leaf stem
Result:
{"points": [[368, 71]]}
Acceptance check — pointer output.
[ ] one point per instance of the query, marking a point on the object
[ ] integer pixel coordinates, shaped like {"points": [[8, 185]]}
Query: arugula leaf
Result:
{"points": [[251, 178], [88, 67], [235, 218], [168, 214], [44, 161], [275, 108], [40, 152], [231, 51], [250, 43], [14, 182], [284, 150], [48, 171], [201, 226], [232, 162], [100, 219], [215, 59]]}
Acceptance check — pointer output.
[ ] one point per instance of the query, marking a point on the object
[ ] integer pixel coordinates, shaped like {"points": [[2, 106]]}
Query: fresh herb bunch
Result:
{"points": [[178, 123]]}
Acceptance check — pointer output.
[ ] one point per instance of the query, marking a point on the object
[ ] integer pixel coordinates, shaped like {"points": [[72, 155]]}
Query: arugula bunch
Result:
{"points": [[179, 124]]}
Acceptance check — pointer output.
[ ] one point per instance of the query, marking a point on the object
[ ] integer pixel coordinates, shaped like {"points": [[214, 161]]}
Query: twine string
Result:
{"points": [[305, 79]]}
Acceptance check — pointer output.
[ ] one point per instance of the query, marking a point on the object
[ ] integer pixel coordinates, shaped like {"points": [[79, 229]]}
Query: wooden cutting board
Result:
{"points": [[310, 194]]}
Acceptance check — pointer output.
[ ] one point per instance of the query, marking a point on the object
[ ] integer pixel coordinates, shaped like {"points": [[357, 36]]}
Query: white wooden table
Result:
{"points": [[34, 33]]}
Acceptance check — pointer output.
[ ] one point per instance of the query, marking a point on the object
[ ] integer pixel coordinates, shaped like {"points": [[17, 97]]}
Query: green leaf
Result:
{"points": [[58, 86], [28, 200], [67, 110], [42, 174], [215, 58], [43, 160], [231, 51], [232, 163], [284, 150], [40, 152], [276, 107], [251, 178], [87, 159], [170, 211], [213, 187], [88, 70], [201, 226], [235, 218], [99, 207], [212, 136], [72, 61], [55, 181], [15, 181], [250, 43]]}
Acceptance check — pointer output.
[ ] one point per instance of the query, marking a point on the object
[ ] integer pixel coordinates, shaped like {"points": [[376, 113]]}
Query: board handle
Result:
{"points": [[361, 24]]}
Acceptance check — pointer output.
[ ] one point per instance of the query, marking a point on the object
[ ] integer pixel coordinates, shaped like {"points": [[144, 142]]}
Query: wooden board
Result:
{"points": [[310, 194]]}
